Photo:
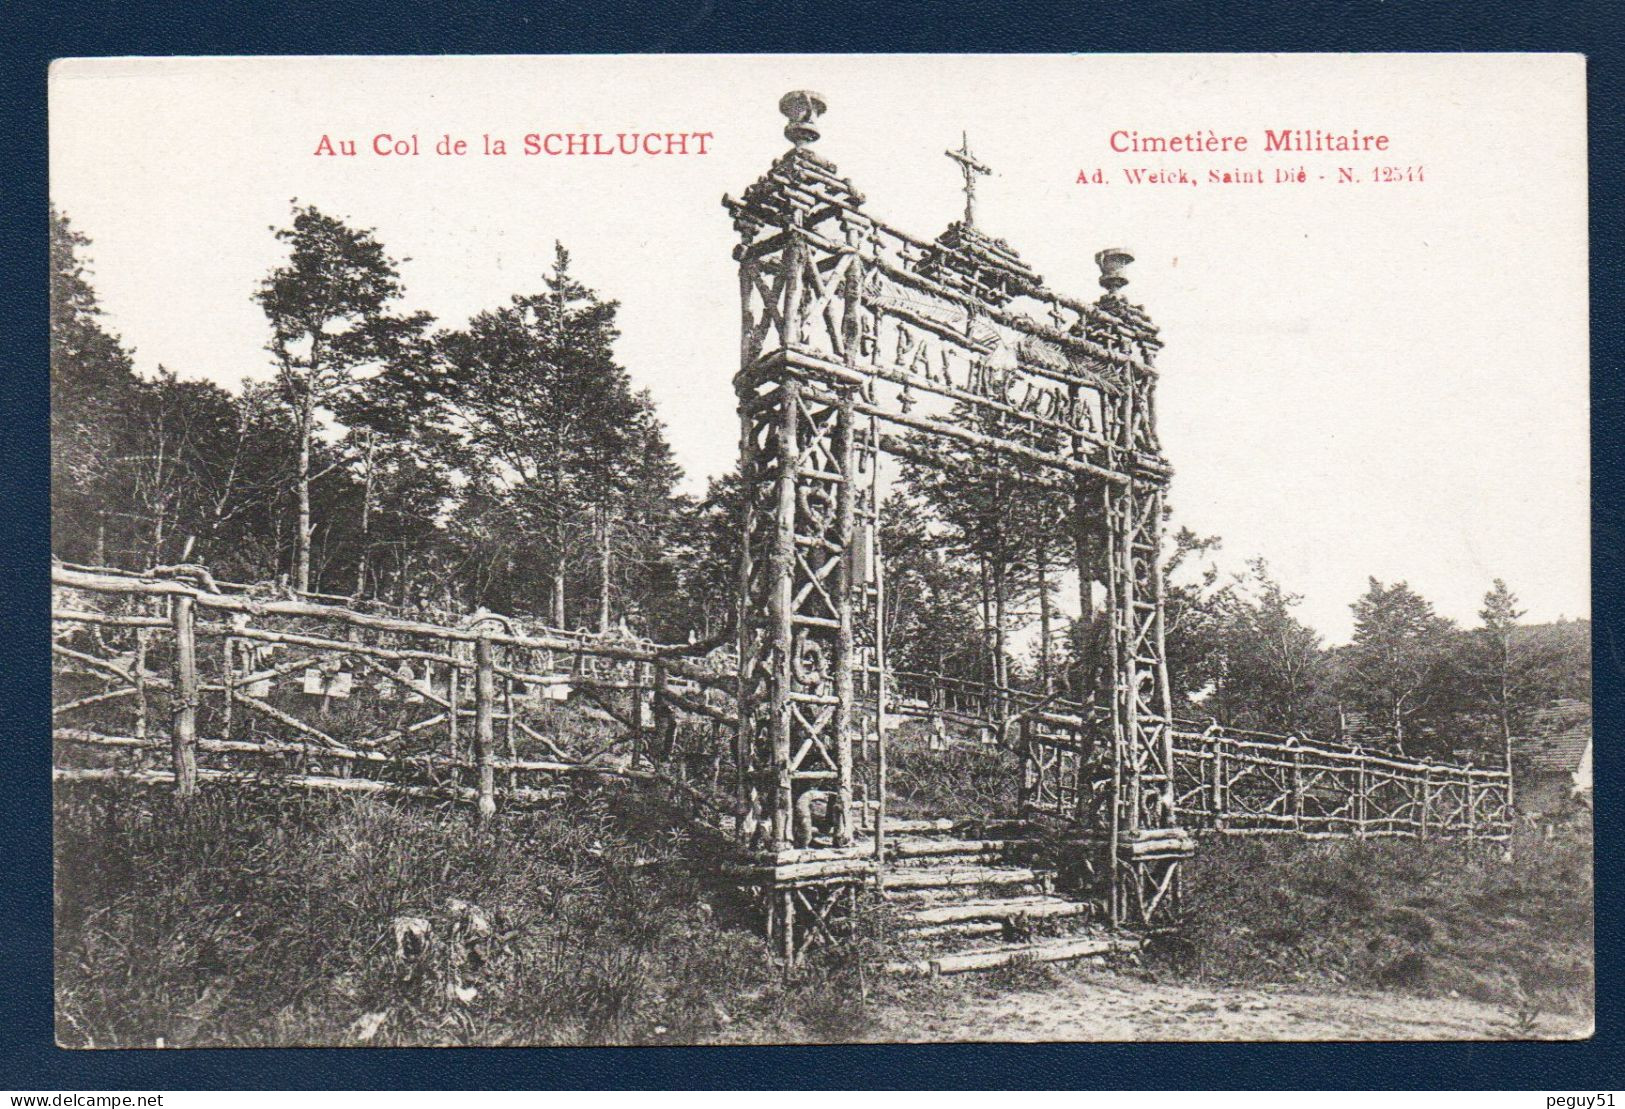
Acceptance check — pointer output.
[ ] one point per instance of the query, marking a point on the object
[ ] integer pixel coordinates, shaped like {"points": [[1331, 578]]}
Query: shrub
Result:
{"points": [[1433, 918], [265, 919], [965, 781]]}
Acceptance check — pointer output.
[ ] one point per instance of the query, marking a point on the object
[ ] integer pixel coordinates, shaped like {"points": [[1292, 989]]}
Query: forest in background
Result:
{"points": [[510, 463]]}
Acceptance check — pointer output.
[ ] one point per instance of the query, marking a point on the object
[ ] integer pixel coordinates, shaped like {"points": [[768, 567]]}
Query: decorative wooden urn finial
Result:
{"points": [[1111, 261], [802, 108]]}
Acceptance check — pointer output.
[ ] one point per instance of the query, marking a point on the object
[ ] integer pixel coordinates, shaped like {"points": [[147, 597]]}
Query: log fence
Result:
{"points": [[291, 691], [1254, 785], [1238, 782], [317, 695]]}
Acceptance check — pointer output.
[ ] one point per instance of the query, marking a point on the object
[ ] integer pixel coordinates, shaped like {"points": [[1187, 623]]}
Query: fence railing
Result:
{"points": [[912, 693], [1250, 786], [1254, 784], [162, 679]]}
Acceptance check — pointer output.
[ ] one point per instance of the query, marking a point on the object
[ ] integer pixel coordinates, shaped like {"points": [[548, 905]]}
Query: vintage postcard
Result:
{"points": [[810, 549]]}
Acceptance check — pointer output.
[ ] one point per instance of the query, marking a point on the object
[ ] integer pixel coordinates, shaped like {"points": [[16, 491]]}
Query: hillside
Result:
{"points": [[260, 920]]}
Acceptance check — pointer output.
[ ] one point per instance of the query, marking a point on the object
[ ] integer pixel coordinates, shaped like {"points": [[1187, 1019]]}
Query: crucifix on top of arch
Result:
{"points": [[971, 168]]}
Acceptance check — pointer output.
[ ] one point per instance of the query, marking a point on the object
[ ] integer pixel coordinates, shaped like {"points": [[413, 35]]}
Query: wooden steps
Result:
{"points": [[930, 878], [895, 827], [997, 909], [958, 884], [957, 930], [924, 847], [971, 895], [1056, 950]]}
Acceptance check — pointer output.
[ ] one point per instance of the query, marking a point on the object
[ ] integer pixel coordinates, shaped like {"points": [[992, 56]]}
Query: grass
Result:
{"points": [[277, 919], [265, 920], [1437, 919], [966, 781]]}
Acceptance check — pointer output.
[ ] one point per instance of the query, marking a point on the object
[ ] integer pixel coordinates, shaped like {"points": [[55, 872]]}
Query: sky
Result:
{"points": [[1370, 378]]}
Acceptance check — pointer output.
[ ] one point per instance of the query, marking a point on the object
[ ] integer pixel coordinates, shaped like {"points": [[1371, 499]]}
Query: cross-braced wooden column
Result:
{"points": [[800, 279], [844, 318], [1147, 844], [799, 288]]}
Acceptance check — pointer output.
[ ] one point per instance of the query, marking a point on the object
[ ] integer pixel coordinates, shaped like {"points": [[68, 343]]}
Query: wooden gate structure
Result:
{"points": [[859, 342], [848, 326]]}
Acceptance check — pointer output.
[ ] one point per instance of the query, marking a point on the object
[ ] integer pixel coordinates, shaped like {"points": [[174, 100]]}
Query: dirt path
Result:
{"points": [[1100, 1005]]}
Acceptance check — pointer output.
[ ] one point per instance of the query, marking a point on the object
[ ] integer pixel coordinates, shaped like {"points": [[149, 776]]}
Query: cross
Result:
{"points": [[970, 167]]}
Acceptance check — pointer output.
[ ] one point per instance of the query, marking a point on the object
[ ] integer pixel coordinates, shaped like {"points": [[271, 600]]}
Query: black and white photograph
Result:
{"points": [[819, 549]]}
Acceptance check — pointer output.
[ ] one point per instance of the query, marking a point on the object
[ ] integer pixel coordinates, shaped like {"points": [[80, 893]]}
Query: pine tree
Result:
{"points": [[92, 382], [987, 507], [330, 310], [931, 617], [1277, 668], [639, 521], [548, 417], [1500, 615], [708, 558], [1397, 656], [1198, 615]]}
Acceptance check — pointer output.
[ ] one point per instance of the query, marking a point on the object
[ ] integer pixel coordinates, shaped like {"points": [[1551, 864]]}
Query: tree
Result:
{"points": [[331, 319], [92, 381], [179, 467], [1500, 615], [931, 620], [636, 521], [991, 512], [546, 414], [1277, 669], [1049, 531], [1197, 613], [399, 433], [708, 558], [1395, 661], [1550, 661], [144, 470], [1513, 669]]}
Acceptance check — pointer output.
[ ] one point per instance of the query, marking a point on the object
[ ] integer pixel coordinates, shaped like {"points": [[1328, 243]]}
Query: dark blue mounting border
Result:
{"points": [[35, 31]]}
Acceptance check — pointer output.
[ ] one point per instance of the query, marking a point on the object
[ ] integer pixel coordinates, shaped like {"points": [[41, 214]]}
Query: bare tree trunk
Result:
{"points": [[603, 571], [302, 539], [558, 577], [1084, 636], [366, 518], [1506, 715], [157, 556], [987, 612], [1087, 552], [1506, 693]]}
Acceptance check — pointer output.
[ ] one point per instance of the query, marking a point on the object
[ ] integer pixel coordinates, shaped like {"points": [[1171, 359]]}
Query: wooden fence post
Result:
{"points": [[141, 635], [228, 677], [1427, 796], [484, 729], [1297, 788], [647, 678], [1472, 817], [183, 731], [1219, 772], [454, 698], [1361, 789]]}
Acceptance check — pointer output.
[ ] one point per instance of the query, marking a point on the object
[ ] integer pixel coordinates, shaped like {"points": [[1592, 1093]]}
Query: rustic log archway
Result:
{"points": [[848, 325]]}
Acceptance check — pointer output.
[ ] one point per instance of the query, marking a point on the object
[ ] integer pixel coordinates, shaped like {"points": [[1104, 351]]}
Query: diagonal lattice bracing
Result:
{"points": [[850, 327]]}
